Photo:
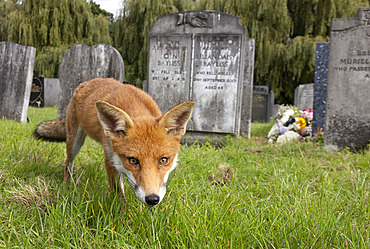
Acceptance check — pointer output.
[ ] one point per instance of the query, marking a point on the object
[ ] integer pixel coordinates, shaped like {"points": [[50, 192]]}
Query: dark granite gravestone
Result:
{"points": [[82, 63], [321, 82], [16, 72], [262, 104], [303, 96], [347, 117], [37, 92], [204, 56], [51, 91]]}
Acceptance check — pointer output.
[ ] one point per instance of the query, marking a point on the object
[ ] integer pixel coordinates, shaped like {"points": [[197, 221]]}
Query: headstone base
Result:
{"points": [[192, 136]]}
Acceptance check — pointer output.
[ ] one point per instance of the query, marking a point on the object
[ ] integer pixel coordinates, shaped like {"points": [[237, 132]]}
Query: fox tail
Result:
{"points": [[53, 130]]}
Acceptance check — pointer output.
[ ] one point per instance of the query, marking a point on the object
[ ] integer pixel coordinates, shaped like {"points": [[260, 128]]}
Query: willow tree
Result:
{"points": [[53, 27]]}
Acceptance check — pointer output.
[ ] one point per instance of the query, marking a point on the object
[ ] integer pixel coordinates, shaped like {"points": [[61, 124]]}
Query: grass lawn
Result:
{"points": [[279, 196]]}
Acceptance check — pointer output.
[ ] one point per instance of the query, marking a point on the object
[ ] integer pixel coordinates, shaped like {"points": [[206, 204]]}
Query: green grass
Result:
{"points": [[280, 196]]}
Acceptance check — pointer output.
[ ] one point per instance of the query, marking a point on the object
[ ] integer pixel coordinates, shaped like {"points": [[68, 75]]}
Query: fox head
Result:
{"points": [[144, 148]]}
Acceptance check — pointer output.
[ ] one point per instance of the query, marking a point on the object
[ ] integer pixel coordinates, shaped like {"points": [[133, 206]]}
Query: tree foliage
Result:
{"points": [[285, 33], [52, 27]]}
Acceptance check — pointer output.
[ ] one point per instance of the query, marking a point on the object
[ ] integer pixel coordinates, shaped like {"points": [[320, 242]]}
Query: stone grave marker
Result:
{"points": [[37, 92], [275, 110], [51, 91], [321, 82], [204, 56], [347, 117], [262, 103], [303, 96], [82, 63], [16, 73]]}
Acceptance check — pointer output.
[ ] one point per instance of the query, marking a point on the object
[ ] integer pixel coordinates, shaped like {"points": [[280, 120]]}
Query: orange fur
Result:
{"points": [[130, 127]]}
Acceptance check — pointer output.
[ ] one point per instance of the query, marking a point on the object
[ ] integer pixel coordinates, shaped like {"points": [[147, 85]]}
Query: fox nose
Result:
{"points": [[152, 200]]}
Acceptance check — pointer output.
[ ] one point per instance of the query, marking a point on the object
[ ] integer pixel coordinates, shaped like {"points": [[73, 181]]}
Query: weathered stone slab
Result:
{"points": [[51, 91], [275, 110], [201, 55], [82, 63], [303, 96], [262, 104], [246, 107], [37, 92], [321, 82], [16, 72], [347, 119]]}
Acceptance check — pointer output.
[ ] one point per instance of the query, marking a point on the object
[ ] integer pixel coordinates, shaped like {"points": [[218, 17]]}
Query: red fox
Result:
{"points": [[139, 142]]}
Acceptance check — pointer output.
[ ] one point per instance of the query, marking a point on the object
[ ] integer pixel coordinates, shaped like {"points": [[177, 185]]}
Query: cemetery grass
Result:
{"points": [[279, 196]]}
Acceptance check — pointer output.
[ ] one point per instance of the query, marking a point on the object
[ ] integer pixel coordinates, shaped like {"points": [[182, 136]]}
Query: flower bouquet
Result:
{"points": [[291, 124]]}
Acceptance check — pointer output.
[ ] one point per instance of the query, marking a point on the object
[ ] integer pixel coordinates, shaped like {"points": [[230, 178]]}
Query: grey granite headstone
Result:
{"points": [[202, 55], [16, 72], [303, 96], [51, 91], [275, 110], [246, 107], [37, 92], [321, 82], [262, 104], [347, 119], [82, 63]]}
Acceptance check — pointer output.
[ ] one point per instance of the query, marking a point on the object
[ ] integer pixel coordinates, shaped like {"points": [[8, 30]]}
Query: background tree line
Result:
{"points": [[285, 32]]}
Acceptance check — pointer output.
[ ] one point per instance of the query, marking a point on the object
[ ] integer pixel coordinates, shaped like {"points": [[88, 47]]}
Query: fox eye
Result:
{"points": [[133, 161], [163, 161]]}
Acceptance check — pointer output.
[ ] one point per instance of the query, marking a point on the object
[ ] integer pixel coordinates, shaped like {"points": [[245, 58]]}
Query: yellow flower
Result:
{"points": [[302, 123]]}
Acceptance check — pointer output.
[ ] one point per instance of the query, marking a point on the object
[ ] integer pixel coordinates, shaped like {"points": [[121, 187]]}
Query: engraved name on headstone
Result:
{"points": [[82, 63], [16, 73], [201, 55], [347, 119]]}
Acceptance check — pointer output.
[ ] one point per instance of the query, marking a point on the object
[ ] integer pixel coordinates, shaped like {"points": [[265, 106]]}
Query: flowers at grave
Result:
{"points": [[291, 125], [301, 123]]}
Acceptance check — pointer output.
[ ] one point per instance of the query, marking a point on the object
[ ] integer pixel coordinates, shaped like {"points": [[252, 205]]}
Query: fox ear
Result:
{"points": [[114, 120], [175, 120]]}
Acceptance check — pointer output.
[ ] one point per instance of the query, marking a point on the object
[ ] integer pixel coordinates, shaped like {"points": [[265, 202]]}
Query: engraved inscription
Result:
{"points": [[169, 68], [360, 62], [215, 80]]}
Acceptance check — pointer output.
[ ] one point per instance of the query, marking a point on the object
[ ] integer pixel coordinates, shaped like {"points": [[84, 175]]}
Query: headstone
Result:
{"points": [[37, 92], [82, 63], [51, 91], [262, 103], [321, 82], [246, 107], [303, 96], [16, 72], [204, 56], [347, 119], [275, 110]]}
